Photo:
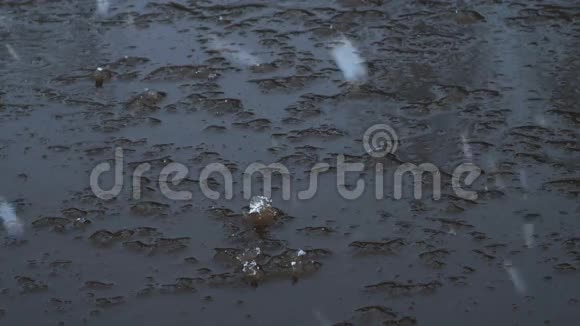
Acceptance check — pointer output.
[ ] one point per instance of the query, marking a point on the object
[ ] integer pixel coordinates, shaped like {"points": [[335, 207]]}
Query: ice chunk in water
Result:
{"points": [[261, 213], [349, 62], [259, 203], [249, 254], [12, 223], [298, 263], [515, 276], [251, 268]]}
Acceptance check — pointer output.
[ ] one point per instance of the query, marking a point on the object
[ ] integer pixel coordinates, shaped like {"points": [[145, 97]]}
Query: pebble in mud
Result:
{"points": [[264, 218], [468, 17], [100, 76], [261, 213]]}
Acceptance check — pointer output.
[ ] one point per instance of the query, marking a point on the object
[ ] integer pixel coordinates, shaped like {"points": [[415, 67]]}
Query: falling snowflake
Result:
{"points": [[349, 61]]}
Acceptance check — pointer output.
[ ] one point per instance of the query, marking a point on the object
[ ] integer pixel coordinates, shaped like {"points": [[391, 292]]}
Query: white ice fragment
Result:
{"points": [[103, 7], [516, 278], [300, 253], [12, 52], [349, 61], [12, 223], [251, 267], [259, 203], [235, 52], [528, 230]]}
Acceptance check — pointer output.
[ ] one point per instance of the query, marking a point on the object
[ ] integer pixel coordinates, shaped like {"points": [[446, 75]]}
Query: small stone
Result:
{"points": [[100, 76]]}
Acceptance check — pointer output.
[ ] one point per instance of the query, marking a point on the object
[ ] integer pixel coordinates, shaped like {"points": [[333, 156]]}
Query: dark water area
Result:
{"points": [[488, 82]]}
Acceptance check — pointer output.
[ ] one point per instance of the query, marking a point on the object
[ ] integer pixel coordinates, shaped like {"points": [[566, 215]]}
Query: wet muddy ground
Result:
{"points": [[490, 82]]}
